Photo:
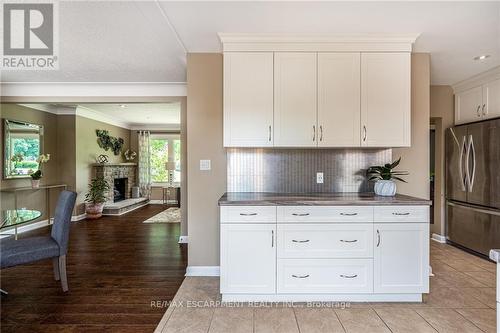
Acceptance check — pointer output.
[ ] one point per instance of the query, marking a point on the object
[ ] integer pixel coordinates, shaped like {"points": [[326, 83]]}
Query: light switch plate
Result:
{"points": [[204, 165], [319, 177]]}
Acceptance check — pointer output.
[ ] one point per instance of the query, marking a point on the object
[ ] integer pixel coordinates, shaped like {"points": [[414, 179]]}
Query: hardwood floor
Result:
{"points": [[117, 266]]}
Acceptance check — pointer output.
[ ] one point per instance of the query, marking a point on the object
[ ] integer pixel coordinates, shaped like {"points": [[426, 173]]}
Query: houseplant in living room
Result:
{"points": [[384, 175], [37, 175], [96, 197]]}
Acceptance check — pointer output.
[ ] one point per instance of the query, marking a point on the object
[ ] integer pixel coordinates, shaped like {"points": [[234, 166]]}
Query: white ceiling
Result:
{"points": [[145, 41]]}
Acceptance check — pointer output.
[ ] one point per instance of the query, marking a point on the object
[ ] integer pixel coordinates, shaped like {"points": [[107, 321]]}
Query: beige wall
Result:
{"points": [[442, 116], [204, 141], [51, 170], [415, 159], [87, 151]]}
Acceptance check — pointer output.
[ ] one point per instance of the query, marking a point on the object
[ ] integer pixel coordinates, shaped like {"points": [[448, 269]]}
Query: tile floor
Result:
{"points": [[461, 299]]}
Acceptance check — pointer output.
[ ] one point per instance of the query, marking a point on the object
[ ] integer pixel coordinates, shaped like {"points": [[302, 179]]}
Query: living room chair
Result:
{"points": [[27, 250]]}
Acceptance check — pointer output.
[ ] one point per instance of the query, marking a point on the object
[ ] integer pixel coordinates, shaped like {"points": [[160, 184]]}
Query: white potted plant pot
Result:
{"points": [[35, 183], [94, 210], [385, 187]]}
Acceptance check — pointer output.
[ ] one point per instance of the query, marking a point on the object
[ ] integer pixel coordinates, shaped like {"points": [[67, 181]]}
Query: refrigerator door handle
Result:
{"points": [[475, 209], [463, 148], [471, 152]]}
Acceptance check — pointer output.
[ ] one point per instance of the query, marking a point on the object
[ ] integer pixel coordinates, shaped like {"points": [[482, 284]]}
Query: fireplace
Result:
{"points": [[119, 189]]}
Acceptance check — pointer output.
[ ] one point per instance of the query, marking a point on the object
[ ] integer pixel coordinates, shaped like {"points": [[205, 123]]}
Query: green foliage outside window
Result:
{"points": [[159, 158]]}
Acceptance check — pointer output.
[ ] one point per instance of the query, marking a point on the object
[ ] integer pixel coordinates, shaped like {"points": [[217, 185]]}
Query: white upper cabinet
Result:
{"points": [[385, 99], [295, 99], [468, 105], [491, 99], [339, 99], [248, 99]]}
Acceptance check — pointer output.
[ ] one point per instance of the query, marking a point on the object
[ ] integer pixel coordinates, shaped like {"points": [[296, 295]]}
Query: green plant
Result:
{"points": [[36, 175], [98, 188], [386, 172]]}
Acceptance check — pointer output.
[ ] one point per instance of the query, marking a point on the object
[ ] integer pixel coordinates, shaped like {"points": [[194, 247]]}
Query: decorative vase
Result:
{"points": [[35, 183], [94, 211], [385, 188]]}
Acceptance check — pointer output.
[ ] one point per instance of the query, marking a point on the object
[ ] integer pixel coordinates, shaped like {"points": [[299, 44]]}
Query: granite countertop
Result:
{"points": [[495, 255], [316, 199]]}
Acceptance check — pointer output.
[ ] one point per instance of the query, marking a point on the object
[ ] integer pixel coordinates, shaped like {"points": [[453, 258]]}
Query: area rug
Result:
{"points": [[171, 215]]}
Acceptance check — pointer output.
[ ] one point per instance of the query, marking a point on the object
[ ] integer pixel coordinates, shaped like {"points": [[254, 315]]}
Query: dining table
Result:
{"points": [[13, 218]]}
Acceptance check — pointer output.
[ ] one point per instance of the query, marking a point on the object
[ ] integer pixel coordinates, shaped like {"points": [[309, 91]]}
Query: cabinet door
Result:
{"points": [[295, 100], [385, 99], [248, 99], [401, 258], [338, 99], [491, 99], [248, 258], [468, 105]]}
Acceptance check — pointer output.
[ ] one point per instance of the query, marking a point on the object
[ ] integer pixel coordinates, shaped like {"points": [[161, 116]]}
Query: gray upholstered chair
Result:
{"points": [[27, 250]]}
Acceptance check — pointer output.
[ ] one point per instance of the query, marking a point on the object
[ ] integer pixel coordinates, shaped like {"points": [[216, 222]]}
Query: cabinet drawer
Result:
{"points": [[248, 214], [287, 214], [325, 240], [303, 276], [401, 214]]}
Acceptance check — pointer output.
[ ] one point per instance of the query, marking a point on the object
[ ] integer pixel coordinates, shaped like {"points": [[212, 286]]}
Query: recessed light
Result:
{"points": [[123, 106], [482, 57]]}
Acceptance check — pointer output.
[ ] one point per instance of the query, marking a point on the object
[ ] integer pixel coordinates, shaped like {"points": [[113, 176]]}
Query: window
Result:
{"points": [[165, 148]]}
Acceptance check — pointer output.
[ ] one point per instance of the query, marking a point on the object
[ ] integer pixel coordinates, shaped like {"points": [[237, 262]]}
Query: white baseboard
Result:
{"points": [[438, 238], [79, 217], [156, 202], [203, 271], [183, 239], [321, 297]]}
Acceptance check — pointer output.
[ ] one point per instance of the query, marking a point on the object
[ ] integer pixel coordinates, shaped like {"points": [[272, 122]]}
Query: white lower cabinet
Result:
{"points": [[401, 258], [248, 258], [310, 276]]}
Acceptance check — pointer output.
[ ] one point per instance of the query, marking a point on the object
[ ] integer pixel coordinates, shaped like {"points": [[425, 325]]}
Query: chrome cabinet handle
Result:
{"points": [[482, 110], [248, 214], [348, 214], [401, 214], [321, 133], [348, 276], [300, 276], [349, 241], [300, 214], [269, 133], [364, 133], [314, 133], [272, 238], [477, 111], [378, 238], [300, 241]]}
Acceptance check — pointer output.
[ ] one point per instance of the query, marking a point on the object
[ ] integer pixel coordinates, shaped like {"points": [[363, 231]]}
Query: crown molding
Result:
{"points": [[93, 89], [477, 80], [251, 42]]}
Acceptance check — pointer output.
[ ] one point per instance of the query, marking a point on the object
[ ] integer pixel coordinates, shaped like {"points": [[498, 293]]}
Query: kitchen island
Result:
{"points": [[323, 247]]}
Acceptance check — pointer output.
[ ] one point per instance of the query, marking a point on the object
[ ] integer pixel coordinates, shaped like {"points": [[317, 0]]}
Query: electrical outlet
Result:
{"points": [[319, 177], [204, 165]]}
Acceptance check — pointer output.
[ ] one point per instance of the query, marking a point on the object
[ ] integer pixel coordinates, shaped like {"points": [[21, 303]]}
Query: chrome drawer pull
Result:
{"points": [[300, 276], [248, 214], [349, 241], [348, 276], [348, 214], [401, 214], [300, 241], [298, 214]]}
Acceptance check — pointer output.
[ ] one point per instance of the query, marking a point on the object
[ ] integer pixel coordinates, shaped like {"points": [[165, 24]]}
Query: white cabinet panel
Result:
{"points": [[401, 258], [248, 258], [295, 100], [325, 276], [248, 99], [325, 240], [415, 214], [385, 99], [339, 99], [491, 99], [324, 214], [468, 105], [248, 214]]}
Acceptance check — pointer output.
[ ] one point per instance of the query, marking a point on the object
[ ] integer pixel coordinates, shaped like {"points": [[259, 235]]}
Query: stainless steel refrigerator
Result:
{"points": [[473, 185]]}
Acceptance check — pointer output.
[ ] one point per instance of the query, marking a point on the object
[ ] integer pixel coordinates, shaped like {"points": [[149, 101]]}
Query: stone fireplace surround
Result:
{"points": [[111, 171]]}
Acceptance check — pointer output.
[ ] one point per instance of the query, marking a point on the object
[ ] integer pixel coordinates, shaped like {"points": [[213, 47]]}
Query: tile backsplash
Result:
{"points": [[294, 170]]}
